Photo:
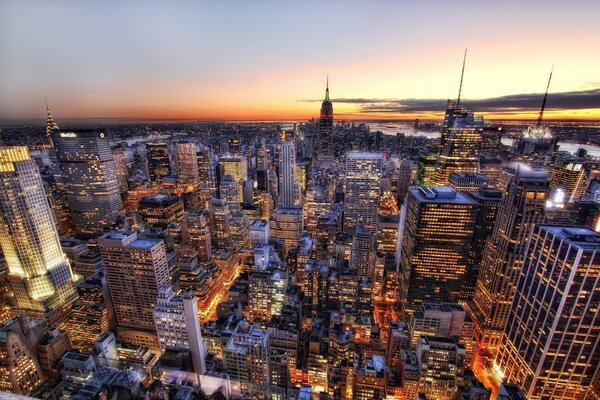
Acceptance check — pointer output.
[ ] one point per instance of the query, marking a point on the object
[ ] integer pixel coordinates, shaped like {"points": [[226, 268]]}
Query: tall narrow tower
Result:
{"points": [[287, 171], [504, 254], [38, 270], [326, 125]]}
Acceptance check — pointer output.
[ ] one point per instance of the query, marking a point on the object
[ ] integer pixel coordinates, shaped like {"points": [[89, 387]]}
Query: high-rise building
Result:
{"points": [[287, 225], [288, 186], [445, 320], [177, 325], [468, 181], [38, 271], [520, 210], [229, 191], [571, 178], [161, 209], [488, 201], [159, 163], [195, 232], [246, 358], [90, 179], [266, 294], [121, 168], [551, 344], [89, 318], [435, 246], [404, 178], [236, 166], [135, 270], [220, 221], [426, 168], [371, 379], [326, 126], [442, 366], [187, 164], [362, 185], [20, 372], [362, 255]]}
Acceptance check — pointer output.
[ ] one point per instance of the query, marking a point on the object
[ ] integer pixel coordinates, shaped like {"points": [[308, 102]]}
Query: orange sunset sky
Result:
{"points": [[268, 60]]}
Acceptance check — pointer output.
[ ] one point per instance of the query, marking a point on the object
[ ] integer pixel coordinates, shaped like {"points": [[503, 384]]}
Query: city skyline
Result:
{"points": [[268, 61]]}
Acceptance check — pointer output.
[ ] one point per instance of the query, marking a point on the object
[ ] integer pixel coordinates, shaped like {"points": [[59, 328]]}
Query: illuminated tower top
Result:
{"points": [[51, 125], [326, 106]]}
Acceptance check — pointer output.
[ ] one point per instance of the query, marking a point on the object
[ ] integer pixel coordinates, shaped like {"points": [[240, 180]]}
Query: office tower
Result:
{"points": [[426, 168], [571, 178], [521, 208], [260, 232], [404, 178], [551, 343], [121, 168], [20, 372], [89, 318], [135, 269], [461, 141], [161, 209], [387, 232], [488, 202], [361, 184], [90, 180], [326, 126], [229, 191], [262, 158], [246, 358], [288, 186], [287, 226], [236, 166], [467, 182], [362, 256], [195, 232], [177, 325], [248, 192], [435, 246], [444, 320], [220, 220], [50, 349], [187, 164], [266, 294], [38, 271], [159, 163], [442, 366], [207, 169]]}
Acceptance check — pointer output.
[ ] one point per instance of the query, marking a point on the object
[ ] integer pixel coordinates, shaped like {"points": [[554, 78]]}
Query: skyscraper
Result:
{"points": [[520, 210], [89, 174], [435, 246], [187, 164], [287, 225], [159, 163], [461, 142], [551, 344], [195, 232], [135, 269], [237, 167], [362, 185], [39, 273], [288, 186], [362, 256], [571, 178], [326, 126], [177, 325], [220, 220]]}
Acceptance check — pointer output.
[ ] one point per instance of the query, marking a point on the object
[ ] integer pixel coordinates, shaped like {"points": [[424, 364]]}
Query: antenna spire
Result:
{"points": [[327, 89], [541, 117], [462, 74]]}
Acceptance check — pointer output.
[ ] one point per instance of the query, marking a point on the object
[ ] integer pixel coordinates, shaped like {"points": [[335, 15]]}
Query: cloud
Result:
{"points": [[576, 100]]}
